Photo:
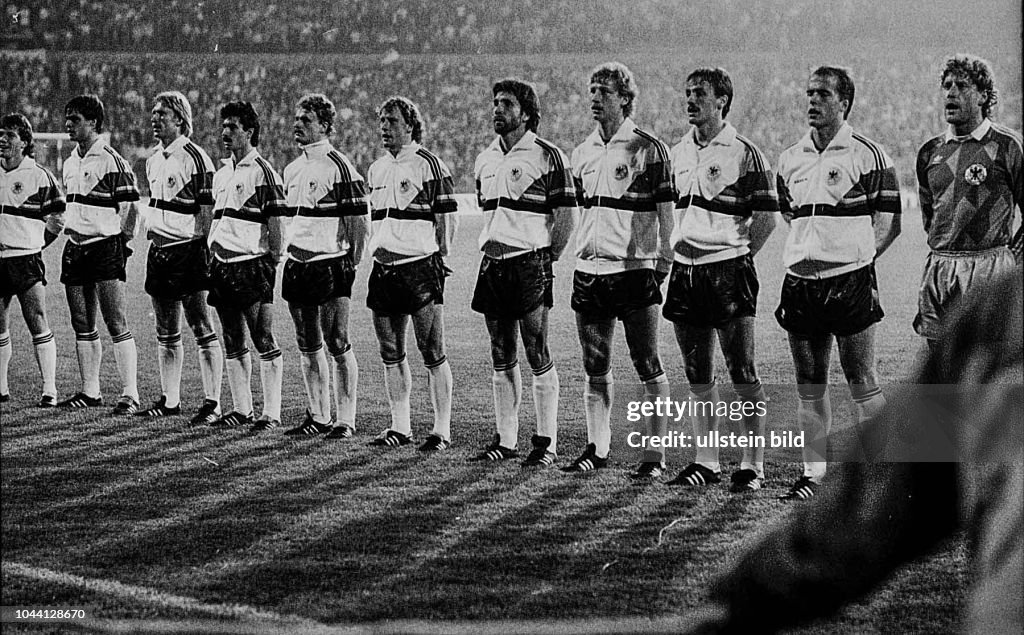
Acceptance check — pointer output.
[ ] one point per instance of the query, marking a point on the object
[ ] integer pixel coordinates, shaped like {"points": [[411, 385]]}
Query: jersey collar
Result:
{"points": [[317, 149], [977, 134], [523, 144], [248, 159], [174, 146], [725, 137], [842, 140], [622, 135]]}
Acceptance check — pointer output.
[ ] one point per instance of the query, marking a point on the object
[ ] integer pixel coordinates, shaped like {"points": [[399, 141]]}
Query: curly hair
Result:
{"points": [[526, 94], [322, 107], [979, 72], [19, 123], [410, 113]]}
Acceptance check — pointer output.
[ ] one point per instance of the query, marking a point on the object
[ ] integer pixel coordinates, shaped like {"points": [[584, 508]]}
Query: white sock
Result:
{"points": [[597, 404], [705, 420], [127, 359], [346, 383], [211, 365], [170, 357], [545, 401], [657, 425], [439, 382], [6, 351], [753, 458], [815, 419], [868, 405], [271, 374], [239, 371], [398, 382], [507, 386], [46, 356], [316, 375], [90, 353]]}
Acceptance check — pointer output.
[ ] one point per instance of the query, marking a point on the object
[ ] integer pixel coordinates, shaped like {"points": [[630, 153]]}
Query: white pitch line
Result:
{"points": [[150, 595]]}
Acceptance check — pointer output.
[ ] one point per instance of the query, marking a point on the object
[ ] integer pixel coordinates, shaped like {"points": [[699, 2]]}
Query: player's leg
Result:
{"points": [[259, 317], [641, 330], [238, 366], [391, 330], [506, 385], [334, 319], [533, 328], [428, 327], [857, 357], [596, 334], [113, 301], [83, 309], [6, 351], [811, 357], [737, 340], [697, 345], [33, 309], [211, 355], [316, 374], [170, 357]]}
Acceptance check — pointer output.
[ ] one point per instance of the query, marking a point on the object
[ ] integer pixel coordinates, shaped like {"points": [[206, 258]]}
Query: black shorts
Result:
{"points": [[21, 273], [842, 305], [95, 262], [178, 271], [614, 295], [405, 289], [314, 283], [513, 287], [242, 284], [712, 295]]}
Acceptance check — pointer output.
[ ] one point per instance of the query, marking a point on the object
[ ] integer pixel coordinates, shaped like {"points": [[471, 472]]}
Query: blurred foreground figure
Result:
{"points": [[876, 516]]}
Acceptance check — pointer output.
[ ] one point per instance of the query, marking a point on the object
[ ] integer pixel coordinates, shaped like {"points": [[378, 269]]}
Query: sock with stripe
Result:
{"points": [[211, 365], [46, 357], [6, 351], [239, 372], [170, 357], [545, 402], [398, 383], [507, 386], [271, 376], [127, 358], [89, 351], [317, 377], [656, 388], [439, 382], [867, 403], [814, 415], [754, 401], [704, 419], [597, 405], [346, 383]]}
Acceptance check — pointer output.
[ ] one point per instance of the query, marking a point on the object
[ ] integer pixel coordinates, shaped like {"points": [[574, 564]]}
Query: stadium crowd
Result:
{"points": [[420, 26], [453, 93]]}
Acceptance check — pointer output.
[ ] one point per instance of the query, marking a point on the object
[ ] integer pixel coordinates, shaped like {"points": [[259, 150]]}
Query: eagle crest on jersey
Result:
{"points": [[714, 171], [18, 188], [975, 175], [516, 174]]}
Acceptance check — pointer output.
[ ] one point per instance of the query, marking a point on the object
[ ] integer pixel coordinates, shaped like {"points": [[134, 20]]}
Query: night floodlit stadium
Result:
{"points": [[218, 220]]}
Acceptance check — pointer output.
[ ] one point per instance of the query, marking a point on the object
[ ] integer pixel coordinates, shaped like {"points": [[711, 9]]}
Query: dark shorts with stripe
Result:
{"points": [[405, 289], [314, 283], [95, 262], [842, 305], [178, 271], [21, 273], [712, 295], [242, 284], [510, 288], [614, 295]]}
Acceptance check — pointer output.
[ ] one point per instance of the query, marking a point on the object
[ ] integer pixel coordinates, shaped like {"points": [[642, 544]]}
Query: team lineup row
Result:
{"points": [[641, 213]]}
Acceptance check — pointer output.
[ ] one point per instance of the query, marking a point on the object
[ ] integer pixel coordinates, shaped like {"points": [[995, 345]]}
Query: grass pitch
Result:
{"points": [[155, 526]]}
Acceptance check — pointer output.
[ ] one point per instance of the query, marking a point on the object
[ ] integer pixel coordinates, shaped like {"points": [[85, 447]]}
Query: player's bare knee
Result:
{"points": [[264, 342], [648, 367]]}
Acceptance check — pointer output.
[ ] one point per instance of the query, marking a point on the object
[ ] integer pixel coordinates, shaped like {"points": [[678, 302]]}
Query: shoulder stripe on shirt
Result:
{"points": [[658, 143], [120, 162], [753, 152], [879, 161], [432, 161], [346, 175], [268, 172], [556, 156], [197, 158]]}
